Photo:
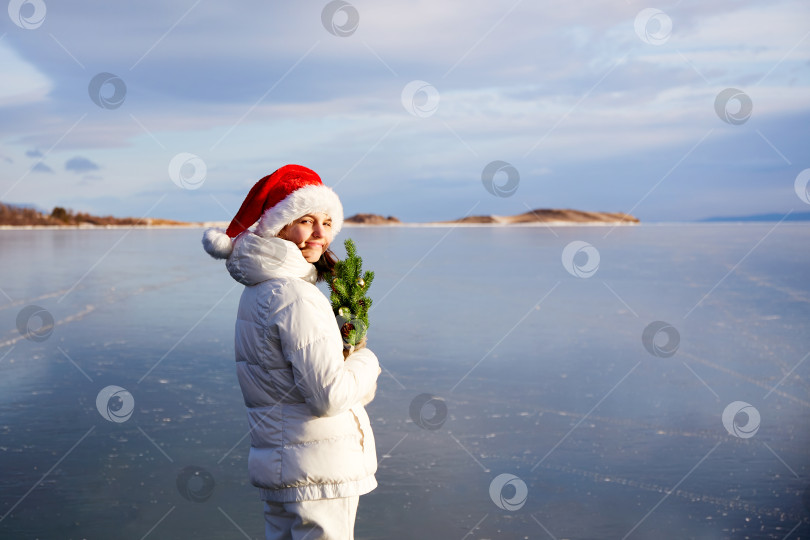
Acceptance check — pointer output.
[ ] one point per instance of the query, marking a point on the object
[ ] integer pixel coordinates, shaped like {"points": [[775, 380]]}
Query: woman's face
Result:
{"points": [[311, 233]]}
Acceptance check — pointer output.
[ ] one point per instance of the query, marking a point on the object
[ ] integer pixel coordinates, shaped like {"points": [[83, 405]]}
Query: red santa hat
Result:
{"points": [[275, 201]]}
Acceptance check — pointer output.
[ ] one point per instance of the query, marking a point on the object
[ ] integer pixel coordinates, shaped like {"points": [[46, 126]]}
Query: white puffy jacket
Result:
{"points": [[310, 435]]}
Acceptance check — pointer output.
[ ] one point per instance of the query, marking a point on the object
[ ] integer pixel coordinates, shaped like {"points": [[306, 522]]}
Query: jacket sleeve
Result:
{"points": [[311, 342]]}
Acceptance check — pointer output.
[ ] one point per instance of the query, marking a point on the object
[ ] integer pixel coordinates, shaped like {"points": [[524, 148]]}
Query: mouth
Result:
{"points": [[314, 244]]}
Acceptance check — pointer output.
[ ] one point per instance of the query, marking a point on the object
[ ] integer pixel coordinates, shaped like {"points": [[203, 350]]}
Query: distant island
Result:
{"points": [[28, 217], [548, 215], [372, 219], [25, 216]]}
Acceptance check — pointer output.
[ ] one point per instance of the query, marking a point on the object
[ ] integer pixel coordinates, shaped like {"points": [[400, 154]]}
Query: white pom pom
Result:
{"points": [[217, 244]]}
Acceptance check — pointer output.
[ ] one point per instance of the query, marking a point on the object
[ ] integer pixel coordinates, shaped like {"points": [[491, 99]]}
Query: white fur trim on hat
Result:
{"points": [[302, 201], [217, 244]]}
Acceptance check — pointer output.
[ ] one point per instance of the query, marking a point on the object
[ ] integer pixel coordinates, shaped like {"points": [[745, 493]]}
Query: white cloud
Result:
{"points": [[22, 82]]}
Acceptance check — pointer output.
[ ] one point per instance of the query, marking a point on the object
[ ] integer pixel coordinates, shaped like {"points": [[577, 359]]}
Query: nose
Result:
{"points": [[318, 230]]}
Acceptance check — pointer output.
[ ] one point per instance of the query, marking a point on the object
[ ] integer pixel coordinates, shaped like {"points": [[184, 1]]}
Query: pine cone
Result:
{"points": [[346, 329]]}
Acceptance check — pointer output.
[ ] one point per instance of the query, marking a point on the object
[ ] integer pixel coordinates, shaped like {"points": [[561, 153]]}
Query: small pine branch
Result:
{"points": [[339, 287], [348, 294]]}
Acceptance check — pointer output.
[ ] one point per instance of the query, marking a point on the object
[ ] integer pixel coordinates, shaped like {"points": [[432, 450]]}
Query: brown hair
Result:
{"points": [[325, 264]]}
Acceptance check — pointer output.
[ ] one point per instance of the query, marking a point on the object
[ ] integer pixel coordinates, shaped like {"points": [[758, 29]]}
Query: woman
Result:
{"points": [[312, 451]]}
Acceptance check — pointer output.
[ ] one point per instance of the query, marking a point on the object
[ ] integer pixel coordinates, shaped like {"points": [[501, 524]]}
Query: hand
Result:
{"points": [[361, 345]]}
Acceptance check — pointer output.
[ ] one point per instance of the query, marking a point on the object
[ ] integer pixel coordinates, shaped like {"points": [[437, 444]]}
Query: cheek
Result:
{"points": [[297, 235]]}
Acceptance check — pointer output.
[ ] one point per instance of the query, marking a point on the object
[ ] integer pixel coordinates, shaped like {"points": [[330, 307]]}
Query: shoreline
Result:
{"points": [[94, 227], [547, 225], [345, 225], [531, 224]]}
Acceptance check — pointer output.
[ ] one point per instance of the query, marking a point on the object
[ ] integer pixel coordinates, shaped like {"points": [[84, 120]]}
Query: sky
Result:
{"points": [[674, 111]]}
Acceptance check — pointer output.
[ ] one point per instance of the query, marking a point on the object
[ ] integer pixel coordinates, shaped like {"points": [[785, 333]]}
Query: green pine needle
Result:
{"points": [[346, 292]]}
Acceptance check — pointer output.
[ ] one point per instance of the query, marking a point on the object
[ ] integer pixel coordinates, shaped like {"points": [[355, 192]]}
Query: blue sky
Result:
{"points": [[609, 106]]}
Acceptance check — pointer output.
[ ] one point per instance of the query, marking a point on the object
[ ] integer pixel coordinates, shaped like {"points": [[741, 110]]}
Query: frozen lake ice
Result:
{"points": [[575, 382]]}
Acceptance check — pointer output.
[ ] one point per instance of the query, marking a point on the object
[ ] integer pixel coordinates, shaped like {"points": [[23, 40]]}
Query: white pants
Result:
{"points": [[324, 519]]}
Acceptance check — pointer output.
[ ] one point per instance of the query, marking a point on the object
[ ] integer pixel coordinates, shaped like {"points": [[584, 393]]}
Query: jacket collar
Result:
{"points": [[255, 259]]}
